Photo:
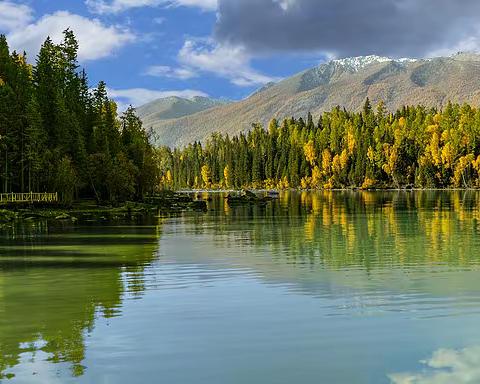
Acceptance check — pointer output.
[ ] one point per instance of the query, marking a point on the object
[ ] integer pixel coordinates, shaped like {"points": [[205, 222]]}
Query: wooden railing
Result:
{"points": [[28, 197]]}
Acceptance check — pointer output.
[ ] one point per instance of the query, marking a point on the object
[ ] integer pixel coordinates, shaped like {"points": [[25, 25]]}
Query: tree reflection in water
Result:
{"points": [[371, 229], [55, 282]]}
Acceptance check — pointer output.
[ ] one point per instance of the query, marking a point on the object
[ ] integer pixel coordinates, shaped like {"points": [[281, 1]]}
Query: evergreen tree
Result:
{"points": [[55, 135]]}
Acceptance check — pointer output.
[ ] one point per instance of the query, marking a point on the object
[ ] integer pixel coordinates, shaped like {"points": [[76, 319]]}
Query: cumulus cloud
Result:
{"points": [[14, 15], [96, 39], [446, 366], [140, 96], [116, 6], [349, 27], [227, 61], [182, 73]]}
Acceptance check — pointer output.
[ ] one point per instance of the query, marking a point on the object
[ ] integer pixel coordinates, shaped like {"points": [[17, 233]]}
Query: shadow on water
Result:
{"points": [[55, 281]]}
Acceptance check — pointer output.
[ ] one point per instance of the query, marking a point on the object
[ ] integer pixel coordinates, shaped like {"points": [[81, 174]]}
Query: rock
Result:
{"points": [[63, 216], [273, 194], [247, 197], [249, 194]]}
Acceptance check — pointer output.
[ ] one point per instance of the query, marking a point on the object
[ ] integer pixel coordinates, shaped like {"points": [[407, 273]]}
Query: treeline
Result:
{"points": [[413, 147], [57, 135]]}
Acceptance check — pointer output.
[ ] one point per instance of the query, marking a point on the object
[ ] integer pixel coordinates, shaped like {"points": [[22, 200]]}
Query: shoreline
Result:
{"points": [[191, 191], [164, 203], [85, 211]]}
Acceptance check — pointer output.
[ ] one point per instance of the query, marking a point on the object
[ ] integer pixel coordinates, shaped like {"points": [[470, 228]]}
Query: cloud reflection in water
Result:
{"points": [[446, 366]]}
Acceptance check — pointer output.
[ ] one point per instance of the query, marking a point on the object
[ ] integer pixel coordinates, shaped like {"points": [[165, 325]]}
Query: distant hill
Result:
{"points": [[346, 82], [175, 107]]}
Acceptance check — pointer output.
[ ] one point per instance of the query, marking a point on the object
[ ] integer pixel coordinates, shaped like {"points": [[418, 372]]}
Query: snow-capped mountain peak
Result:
{"points": [[357, 63]]}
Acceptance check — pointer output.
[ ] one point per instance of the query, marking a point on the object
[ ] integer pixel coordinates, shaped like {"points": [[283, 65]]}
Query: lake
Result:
{"points": [[317, 287]]}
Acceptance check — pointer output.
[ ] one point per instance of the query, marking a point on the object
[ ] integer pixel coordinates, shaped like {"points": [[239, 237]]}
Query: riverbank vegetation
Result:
{"points": [[413, 147], [58, 135]]}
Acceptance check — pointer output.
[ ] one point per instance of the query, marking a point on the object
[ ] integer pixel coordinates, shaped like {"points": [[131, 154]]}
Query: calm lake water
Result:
{"points": [[329, 287]]}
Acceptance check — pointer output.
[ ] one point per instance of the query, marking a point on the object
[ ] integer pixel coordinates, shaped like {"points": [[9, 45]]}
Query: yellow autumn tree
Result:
{"points": [[433, 149], [306, 182], [391, 157], [368, 183], [344, 156], [351, 142], [310, 155], [169, 178], [371, 154], [283, 183], [476, 167], [226, 177], [336, 165], [206, 176], [459, 172], [326, 162], [448, 155], [316, 177]]}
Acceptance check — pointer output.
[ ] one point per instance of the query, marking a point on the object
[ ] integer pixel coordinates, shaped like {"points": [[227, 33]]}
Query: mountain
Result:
{"points": [[175, 107], [347, 82]]}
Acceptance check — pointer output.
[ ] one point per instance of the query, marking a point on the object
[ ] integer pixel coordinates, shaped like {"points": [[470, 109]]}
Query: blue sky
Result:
{"points": [[146, 49], [152, 48]]}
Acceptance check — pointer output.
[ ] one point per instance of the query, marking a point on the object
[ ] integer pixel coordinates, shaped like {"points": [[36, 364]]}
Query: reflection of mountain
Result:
{"points": [[332, 243], [53, 286]]}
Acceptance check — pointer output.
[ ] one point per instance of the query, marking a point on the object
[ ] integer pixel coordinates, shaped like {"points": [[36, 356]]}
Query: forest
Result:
{"points": [[415, 147], [59, 135]]}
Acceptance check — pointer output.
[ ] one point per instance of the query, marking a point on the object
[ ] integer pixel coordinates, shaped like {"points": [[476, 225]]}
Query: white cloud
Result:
{"points": [[182, 73], [286, 4], [116, 6], [447, 366], [225, 61], [140, 96], [468, 44], [204, 4], [96, 40], [159, 20], [14, 15]]}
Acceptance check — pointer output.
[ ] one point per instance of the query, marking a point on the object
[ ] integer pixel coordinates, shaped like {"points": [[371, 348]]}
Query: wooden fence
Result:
{"points": [[28, 197]]}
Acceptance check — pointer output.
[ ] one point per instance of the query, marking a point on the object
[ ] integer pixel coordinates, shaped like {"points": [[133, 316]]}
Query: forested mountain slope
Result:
{"points": [[347, 83]]}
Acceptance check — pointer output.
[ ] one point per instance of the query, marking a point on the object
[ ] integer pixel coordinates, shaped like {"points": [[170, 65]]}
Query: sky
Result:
{"points": [[147, 49]]}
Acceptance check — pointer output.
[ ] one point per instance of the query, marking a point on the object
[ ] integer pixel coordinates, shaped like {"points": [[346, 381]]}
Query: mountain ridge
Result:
{"points": [[344, 82], [173, 107]]}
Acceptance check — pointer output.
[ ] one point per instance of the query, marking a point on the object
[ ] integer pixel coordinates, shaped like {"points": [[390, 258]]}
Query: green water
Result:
{"points": [[326, 287]]}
